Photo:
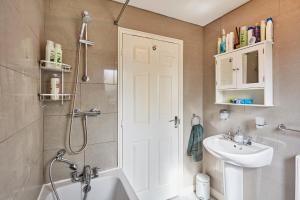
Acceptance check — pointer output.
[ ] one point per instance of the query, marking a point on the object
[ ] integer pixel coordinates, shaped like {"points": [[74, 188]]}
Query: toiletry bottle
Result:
{"points": [[263, 30], [58, 55], [269, 30], [227, 42], [250, 34], [244, 36], [237, 38], [257, 33], [50, 52], [223, 44], [231, 41], [219, 45], [54, 87]]}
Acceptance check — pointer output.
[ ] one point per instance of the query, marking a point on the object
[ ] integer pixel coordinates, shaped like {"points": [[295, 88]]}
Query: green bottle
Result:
{"points": [[244, 36]]}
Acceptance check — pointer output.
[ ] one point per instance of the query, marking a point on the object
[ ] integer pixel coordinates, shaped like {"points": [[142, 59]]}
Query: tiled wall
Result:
{"points": [[63, 20], [21, 136], [274, 182]]}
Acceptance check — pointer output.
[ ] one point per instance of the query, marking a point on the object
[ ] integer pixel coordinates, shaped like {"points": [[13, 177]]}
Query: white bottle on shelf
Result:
{"points": [[269, 30], [54, 87], [58, 55], [263, 30], [50, 53]]}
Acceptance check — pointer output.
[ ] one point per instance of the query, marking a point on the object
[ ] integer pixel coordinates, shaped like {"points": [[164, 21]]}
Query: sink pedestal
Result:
{"points": [[233, 182]]}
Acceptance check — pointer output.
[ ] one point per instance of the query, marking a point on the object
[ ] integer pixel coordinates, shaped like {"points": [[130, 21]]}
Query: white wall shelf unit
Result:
{"points": [[46, 68], [245, 73]]}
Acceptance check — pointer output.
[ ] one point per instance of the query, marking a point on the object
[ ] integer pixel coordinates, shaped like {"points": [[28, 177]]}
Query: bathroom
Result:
{"points": [[34, 128]]}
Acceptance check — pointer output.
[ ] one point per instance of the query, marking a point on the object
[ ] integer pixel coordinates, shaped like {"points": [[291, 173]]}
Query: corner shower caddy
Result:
{"points": [[44, 95]]}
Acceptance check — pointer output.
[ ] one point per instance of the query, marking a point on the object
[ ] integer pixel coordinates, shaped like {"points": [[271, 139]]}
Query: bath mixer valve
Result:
{"points": [[86, 176]]}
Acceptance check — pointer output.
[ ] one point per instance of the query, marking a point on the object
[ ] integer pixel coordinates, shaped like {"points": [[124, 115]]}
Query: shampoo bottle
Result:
{"points": [[219, 45], [54, 87], [244, 36], [263, 30], [58, 55], [257, 33], [223, 44], [50, 53], [231, 41], [269, 29]]}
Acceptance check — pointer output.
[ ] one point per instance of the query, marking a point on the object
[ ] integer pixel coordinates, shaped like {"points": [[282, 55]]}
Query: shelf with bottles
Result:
{"points": [[245, 36], [52, 81]]}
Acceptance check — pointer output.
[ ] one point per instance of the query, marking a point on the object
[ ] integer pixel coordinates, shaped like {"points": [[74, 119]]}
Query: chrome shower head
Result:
{"points": [[86, 18]]}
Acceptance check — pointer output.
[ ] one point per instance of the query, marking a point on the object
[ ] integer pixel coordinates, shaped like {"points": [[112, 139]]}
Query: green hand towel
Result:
{"points": [[195, 146]]}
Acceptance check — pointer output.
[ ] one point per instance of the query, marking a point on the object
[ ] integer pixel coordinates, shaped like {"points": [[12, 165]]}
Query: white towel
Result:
{"points": [[297, 178]]}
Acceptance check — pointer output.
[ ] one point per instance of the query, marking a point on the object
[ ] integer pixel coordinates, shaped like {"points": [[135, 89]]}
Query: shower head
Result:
{"points": [[86, 18]]}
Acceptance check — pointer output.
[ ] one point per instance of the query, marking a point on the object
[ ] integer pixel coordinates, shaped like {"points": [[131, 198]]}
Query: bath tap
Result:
{"points": [[86, 176]]}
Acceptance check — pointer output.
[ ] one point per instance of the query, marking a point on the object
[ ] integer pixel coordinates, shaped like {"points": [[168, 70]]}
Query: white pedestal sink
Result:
{"points": [[236, 157]]}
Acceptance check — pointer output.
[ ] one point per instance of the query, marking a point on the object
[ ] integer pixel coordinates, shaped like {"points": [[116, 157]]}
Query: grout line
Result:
{"points": [[19, 130], [22, 73]]}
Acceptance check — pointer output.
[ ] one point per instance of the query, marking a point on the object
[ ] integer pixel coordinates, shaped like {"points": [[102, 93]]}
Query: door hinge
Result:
{"points": [[263, 51]]}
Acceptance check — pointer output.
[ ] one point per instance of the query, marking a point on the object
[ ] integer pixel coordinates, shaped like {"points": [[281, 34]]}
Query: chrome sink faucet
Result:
{"points": [[238, 138]]}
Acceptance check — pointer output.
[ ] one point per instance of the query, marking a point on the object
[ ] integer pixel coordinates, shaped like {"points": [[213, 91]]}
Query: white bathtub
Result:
{"points": [[110, 185]]}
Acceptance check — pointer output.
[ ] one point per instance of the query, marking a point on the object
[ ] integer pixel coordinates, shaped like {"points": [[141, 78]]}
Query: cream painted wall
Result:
{"points": [[274, 182]]}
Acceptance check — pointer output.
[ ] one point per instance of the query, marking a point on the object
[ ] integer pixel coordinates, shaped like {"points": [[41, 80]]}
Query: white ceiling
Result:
{"points": [[200, 12]]}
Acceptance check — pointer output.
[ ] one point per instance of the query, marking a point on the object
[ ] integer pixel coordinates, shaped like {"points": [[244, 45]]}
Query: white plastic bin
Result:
{"points": [[203, 186]]}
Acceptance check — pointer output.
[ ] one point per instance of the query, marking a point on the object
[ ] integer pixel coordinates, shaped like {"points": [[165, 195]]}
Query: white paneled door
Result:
{"points": [[150, 110]]}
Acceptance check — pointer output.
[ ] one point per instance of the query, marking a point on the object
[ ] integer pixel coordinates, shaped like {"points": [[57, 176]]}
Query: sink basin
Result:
{"points": [[251, 156], [236, 157]]}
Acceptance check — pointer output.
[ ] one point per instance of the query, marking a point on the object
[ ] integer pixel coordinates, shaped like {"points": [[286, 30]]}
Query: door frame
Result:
{"points": [[122, 31]]}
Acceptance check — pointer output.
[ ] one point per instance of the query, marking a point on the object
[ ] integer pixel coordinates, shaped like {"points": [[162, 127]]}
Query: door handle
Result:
{"points": [[176, 121]]}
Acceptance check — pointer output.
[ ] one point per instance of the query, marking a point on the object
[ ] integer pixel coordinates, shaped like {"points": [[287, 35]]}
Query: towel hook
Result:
{"points": [[196, 119]]}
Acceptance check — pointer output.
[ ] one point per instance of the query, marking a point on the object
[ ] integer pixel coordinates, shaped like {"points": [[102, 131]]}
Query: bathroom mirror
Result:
{"points": [[250, 67], [226, 71]]}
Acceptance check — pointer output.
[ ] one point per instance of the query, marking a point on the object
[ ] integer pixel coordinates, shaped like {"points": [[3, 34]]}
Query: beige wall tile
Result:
{"points": [[21, 133], [21, 161], [100, 96], [102, 155]]}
